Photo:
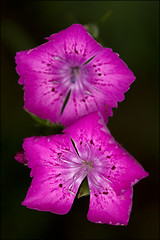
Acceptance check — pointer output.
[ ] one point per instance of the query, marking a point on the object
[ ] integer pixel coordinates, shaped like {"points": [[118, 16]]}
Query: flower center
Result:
{"points": [[73, 76], [75, 72], [87, 165]]}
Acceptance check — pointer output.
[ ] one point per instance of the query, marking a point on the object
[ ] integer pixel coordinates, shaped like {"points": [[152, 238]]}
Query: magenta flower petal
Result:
{"points": [[48, 191], [77, 44], [109, 75], [111, 162], [59, 164], [43, 90], [72, 62], [106, 207], [55, 172]]}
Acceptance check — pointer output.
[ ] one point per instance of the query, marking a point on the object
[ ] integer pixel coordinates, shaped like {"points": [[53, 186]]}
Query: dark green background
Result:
{"points": [[132, 31]]}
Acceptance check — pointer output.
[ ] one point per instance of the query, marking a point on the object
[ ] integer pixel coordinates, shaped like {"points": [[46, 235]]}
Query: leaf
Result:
{"points": [[41, 121], [45, 123]]}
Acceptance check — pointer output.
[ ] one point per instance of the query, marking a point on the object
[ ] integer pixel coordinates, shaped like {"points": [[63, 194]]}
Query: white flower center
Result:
{"points": [[74, 77]]}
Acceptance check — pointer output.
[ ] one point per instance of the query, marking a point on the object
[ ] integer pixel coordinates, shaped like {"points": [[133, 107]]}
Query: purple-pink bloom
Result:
{"points": [[59, 164], [72, 65]]}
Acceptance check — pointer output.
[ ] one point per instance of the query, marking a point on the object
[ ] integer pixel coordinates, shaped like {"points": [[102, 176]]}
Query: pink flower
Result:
{"points": [[72, 66], [59, 164]]}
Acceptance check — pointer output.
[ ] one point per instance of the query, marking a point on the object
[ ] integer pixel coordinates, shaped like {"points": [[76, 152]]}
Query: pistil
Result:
{"points": [[75, 71]]}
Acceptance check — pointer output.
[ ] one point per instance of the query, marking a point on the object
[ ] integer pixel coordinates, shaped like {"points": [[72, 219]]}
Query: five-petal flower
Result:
{"points": [[59, 164], [72, 67]]}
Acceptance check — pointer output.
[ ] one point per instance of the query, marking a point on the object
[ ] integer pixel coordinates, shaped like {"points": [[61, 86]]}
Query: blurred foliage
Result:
{"points": [[130, 28]]}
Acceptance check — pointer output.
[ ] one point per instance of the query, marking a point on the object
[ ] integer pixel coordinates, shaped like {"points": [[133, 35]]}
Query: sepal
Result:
{"points": [[83, 189]]}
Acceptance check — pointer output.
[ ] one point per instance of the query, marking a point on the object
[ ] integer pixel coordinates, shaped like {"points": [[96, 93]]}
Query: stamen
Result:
{"points": [[102, 176], [89, 93], [71, 162], [105, 178], [95, 182], [89, 151], [71, 192], [81, 174]]}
